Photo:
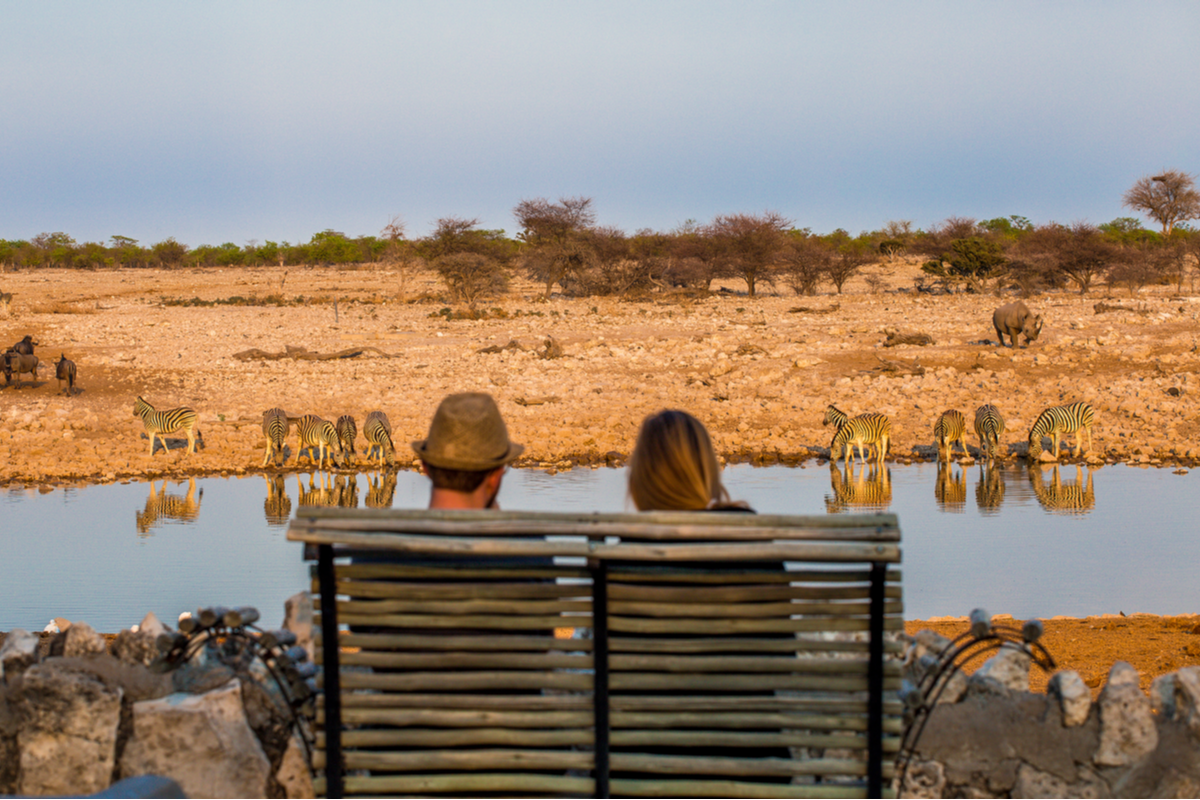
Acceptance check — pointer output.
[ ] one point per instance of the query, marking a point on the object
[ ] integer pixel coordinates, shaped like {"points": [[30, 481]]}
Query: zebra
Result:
{"points": [[319, 434], [163, 506], [377, 430], [1076, 498], [278, 506], [951, 427], [347, 432], [950, 491], [835, 416], [989, 492], [380, 491], [345, 491], [275, 427], [863, 430], [869, 490], [989, 425], [64, 371], [159, 423], [314, 495], [1055, 422]]}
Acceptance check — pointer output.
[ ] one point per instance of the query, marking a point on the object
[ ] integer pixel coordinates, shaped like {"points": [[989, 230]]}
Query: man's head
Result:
{"points": [[466, 451]]}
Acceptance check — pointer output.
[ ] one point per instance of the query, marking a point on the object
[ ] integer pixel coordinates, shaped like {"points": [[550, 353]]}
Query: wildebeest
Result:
{"points": [[25, 346], [1016, 319], [18, 364], [64, 370]]}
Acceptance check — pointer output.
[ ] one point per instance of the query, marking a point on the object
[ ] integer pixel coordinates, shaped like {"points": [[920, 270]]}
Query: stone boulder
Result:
{"points": [[139, 647], [18, 653], [203, 742], [1127, 729], [67, 731]]}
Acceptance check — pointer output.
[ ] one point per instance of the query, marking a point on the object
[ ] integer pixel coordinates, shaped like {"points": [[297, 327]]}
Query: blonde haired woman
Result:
{"points": [[674, 467]]}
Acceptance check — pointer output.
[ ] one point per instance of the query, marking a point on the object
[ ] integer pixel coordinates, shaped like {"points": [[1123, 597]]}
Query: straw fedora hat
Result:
{"points": [[467, 433]]}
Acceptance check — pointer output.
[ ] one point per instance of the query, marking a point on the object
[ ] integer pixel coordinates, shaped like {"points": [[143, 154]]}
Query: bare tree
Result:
{"points": [[397, 252], [557, 237], [1077, 254], [1169, 198], [806, 263], [749, 246]]}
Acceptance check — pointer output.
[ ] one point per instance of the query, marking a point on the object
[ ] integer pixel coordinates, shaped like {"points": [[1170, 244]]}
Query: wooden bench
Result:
{"points": [[650, 655]]}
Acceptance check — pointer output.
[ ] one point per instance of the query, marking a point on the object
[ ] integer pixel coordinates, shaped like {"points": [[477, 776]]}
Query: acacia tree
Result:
{"points": [[1169, 198], [974, 261], [806, 262], [469, 260], [557, 236], [749, 246], [848, 257]]}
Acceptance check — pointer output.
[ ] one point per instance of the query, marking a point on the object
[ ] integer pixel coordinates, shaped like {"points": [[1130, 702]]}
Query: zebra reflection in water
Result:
{"points": [[314, 495], [161, 507], [278, 506], [989, 492], [381, 492], [950, 491], [1056, 497], [868, 490]]}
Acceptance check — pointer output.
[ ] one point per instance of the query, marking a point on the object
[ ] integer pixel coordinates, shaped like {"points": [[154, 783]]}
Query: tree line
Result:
{"points": [[560, 243]]}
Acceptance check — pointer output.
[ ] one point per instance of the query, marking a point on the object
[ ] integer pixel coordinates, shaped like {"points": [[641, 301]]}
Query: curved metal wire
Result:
{"points": [[232, 638], [982, 638]]}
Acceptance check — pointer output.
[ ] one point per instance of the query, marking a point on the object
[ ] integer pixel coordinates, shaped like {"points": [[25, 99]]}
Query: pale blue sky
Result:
{"points": [[231, 121]]}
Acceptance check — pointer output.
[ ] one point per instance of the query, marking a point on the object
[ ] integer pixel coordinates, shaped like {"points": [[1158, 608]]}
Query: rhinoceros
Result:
{"points": [[1016, 319]]}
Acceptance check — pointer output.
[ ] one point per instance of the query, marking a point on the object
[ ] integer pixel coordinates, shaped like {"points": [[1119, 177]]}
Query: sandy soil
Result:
{"points": [[758, 371]]}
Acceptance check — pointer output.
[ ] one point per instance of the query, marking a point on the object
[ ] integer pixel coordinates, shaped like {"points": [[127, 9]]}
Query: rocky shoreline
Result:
{"points": [[758, 371]]}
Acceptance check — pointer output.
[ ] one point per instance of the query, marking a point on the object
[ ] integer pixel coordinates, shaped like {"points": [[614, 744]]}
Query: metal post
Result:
{"points": [[600, 709], [875, 683], [327, 581]]}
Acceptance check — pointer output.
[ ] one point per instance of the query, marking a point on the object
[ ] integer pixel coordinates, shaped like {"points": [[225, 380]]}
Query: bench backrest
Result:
{"points": [[664, 654]]}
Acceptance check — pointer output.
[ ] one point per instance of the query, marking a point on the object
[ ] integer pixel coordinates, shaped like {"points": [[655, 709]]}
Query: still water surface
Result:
{"points": [[1008, 540]]}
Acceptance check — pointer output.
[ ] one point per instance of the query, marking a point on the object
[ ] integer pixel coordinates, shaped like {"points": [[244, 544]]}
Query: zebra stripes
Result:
{"points": [[950, 427], [377, 430], [159, 423], [1063, 498], [347, 432], [834, 416], [321, 435], [862, 431], [275, 428], [1055, 422], [989, 425]]}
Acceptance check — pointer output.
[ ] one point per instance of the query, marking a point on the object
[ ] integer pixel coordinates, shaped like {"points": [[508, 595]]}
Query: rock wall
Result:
{"points": [[83, 713], [988, 736]]}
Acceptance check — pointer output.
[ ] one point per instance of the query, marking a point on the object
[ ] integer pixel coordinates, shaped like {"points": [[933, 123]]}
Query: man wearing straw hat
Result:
{"points": [[466, 452]]}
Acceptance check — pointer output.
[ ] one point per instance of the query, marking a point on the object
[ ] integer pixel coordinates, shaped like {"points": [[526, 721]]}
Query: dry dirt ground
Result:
{"points": [[757, 371]]}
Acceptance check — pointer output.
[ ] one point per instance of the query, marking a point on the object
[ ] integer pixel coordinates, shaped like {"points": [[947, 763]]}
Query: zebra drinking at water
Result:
{"points": [[319, 434], [834, 416], [951, 427], [347, 432], [1066, 498], [275, 428], [988, 427], [867, 429], [377, 430], [64, 371], [1055, 422], [159, 423]]}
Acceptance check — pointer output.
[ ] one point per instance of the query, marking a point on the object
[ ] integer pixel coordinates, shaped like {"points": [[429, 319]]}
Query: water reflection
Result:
{"points": [[162, 507], [868, 489], [381, 490], [989, 491], [950, 489], [1076, 498], [278, 506]]}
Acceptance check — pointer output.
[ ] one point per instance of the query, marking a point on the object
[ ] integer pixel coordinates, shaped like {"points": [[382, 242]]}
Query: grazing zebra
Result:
{"points": [[868, 490], [950, 491], [989, 425], [64, 370], [278, 506], [381, 491], [377, 430], [319, 434], [275, 428], [347, 432], [1057, 497], [867, 429], [159, 423], [1055, 422], [951, 427], [989, 492], [163, 506]]}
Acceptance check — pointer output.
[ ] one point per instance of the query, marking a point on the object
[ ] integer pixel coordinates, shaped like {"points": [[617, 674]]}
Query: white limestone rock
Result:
{"points": [[68, 732], [1073, 696], [81, 639], [18, 653], [295, 774], [224, 758], [1127, 729], [1009, 668]]}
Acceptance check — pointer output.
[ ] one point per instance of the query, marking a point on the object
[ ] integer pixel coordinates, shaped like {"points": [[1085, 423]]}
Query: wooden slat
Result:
{"points": [[465, 681], [451, 660], [714, 644], [474, 702], [473, 622], [716, 574], [780, 701], [720, 627], [724, 738], [464, 572], [465, 607], [624, 592], [624, 787], [471, 784], [624, 720], [718, 765], [666, 682], [437, 760], [744, 610], [441, 592], [729, 664], [401, 641], [470, 737]]}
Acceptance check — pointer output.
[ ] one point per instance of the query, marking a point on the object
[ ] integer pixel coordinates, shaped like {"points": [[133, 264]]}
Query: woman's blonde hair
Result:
{"points": [[673, 466]]}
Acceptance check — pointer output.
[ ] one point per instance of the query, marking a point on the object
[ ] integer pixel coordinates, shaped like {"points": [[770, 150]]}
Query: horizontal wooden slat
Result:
{"points": [[351, 607], [734, 593], [475, 702], [624, 787], [718, 765], [451, 661], [475, 590], [472, 759], [796, 720], [656, 681], [715, 644], [468, 737], [729, 664], [721, 627], [402, 641], [745, 610], [718, 574], [746, 739], [494, 622], [465, 571], [790, 702], [465, 681], [475, 783]]}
